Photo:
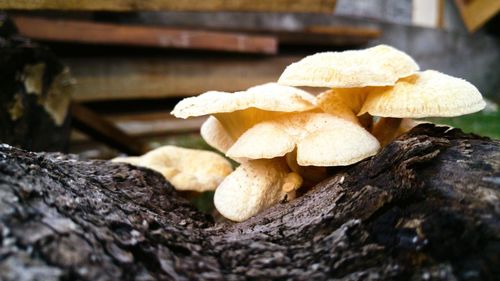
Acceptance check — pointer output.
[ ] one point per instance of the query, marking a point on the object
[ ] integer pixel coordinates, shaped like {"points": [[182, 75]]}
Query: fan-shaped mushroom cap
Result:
{"points": [[186, 169], [425, 94], [254, 186], [268, 97], [344, 103], [239, 111], [321, 139], [381, 65]]}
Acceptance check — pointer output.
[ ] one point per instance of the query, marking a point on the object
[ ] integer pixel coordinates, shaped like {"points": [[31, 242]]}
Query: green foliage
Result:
{"points": [[484, 123]]}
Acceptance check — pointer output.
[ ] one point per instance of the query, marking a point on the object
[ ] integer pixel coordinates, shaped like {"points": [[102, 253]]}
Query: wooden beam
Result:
{"points": [[475, 13], [103, 130], [344, 30], [155, 124], [114, 34], [334, 35], [140, 78], [298, 6]]}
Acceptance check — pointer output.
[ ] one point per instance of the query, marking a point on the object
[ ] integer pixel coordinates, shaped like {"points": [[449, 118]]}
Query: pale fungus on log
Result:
{"points": [[321, 139], [215, 135], [424, 94], [254, 186], [282, 124], [186, 169], [239, 111], [381, 65]]}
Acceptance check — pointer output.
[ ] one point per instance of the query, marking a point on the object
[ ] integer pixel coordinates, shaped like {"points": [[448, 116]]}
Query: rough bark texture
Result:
{"points": [[34, 94], [425, 208]]}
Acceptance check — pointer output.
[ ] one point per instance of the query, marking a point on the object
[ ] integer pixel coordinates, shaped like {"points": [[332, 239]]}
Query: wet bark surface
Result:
{"points": [[425, 208]]}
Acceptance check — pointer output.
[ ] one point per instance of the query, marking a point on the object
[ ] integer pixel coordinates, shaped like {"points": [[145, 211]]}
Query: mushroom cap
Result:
{"points": [[186, 169], [344, 103], [425, 94], [216, 135], [269, 97], [381, 65], [254, 186], [321, 139]]}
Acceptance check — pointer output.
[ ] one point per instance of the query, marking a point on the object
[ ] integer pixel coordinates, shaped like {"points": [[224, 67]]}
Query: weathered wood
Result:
{"points": [[35, 89], [155, 124], [170, 76], [103, 130], [425, 208], [475, 13], [335, 36], [113, 34], [298, 6]]}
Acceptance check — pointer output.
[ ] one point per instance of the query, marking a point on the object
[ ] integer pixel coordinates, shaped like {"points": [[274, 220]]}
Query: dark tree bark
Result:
{"points": [[34, 94], [425, 208]]}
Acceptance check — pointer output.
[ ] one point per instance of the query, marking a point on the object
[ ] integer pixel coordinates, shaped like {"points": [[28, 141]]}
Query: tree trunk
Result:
{"points": [[425, 208]]}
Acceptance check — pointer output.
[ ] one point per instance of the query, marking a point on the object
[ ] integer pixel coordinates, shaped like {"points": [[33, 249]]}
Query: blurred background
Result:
{"points": [[99, 78]]}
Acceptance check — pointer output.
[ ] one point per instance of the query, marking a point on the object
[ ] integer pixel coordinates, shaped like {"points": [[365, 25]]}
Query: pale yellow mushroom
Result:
{"points": [[239, 111], [345, 103], [381, 65], [254, 186], [321, 139], [186, 169], [425, 94], [351, 74], [215, 135]]}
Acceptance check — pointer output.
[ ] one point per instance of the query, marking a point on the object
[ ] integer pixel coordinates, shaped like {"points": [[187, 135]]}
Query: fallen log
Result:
{"points": [[425, 208]]}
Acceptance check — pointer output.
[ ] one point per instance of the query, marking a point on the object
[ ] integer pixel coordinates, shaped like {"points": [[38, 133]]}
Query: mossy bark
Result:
{"points": [[425, 208]]}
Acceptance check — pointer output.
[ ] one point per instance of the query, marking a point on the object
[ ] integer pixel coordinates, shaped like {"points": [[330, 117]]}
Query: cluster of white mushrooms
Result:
{"points": [[284, 137]]}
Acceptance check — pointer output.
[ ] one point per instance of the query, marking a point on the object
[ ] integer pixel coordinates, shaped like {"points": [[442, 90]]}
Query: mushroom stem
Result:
{"points": [[310, 174], [254, 186], [386, 129], [366, 120]]}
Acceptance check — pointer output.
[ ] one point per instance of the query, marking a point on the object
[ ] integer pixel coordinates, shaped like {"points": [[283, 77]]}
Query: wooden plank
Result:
{"points": [[344, 30], [298, 6], [475, 13], [114, 34], [155, 124], [152, 124], [139, 78], [103, 130]]}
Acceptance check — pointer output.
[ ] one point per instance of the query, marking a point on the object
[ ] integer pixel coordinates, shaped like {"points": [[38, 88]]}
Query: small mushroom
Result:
{"points": [[381, 65], [215, 135], [424, 94], [321, 139], [239, 111], [186, 169], [254, 186]]}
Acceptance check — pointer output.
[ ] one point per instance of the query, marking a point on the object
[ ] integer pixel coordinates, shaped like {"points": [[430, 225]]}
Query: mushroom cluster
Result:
{"points": [[284, 138]]}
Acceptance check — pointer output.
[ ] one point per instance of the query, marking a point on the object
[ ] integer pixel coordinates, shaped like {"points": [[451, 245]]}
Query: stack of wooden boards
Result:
{"points": [[227, 59], [202, 59]]}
